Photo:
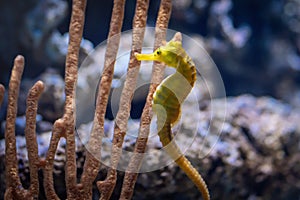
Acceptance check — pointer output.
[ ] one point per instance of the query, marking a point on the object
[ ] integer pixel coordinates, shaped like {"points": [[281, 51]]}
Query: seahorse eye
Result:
{"points": [[158, 52]]}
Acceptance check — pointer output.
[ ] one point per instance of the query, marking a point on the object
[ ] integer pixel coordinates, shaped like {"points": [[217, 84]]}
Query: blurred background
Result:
{"points": [[255, 44]]}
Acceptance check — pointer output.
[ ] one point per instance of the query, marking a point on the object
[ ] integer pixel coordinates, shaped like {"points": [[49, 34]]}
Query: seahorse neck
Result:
{"points": [[186, 67]]}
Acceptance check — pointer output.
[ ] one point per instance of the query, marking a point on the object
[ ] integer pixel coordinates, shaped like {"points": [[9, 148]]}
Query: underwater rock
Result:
{"points": [[20, 126], [255, 156], [51, 102], [42, 20], [50, 107], [41, 126]]}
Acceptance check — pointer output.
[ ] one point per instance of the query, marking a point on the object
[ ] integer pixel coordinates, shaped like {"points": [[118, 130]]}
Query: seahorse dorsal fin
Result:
{"points": [[177, 37]]}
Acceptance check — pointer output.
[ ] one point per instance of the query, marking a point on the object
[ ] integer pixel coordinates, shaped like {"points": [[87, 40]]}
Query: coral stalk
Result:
{"points": [[13, 184], [76, 30], [157, 76], [92, 163], [65, 127], [58, 128], [139, 23], [14, 188], [30, 134]]}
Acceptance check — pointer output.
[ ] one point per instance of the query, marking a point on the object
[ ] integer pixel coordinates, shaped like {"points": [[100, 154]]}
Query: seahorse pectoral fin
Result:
{"points": [[140, 56]]}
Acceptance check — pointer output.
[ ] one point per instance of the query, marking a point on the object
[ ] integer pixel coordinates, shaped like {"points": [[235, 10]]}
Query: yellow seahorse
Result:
{"points": [[168, 98]]}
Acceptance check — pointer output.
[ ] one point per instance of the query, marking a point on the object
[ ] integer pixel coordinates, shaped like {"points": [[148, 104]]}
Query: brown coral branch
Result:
{"points": [[92, 163], [14, 187], [139, 23], [2, 90], [65, 126], [58, 128], [31, 143], [157, 76], [75, 29], [13, 184]]}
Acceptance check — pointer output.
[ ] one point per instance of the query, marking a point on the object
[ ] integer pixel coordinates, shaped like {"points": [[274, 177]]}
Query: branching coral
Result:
{"points": [[76, 29], [32, 147], [157, 76], [13, 183], [14, 189], [62, 128], [139, 23], [65, 126], [93, 155]]}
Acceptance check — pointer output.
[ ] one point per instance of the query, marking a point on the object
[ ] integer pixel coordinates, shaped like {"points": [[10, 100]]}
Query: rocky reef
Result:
{"points": [[256, 156]]}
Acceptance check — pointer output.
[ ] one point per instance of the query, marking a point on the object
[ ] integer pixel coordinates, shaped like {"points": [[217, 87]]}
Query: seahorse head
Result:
{"points": [[169, 54]]}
